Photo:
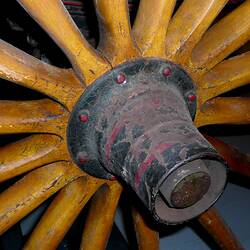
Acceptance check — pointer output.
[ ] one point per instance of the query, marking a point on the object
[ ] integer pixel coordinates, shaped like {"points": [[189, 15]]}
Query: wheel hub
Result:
{"points": [[135, 123]]}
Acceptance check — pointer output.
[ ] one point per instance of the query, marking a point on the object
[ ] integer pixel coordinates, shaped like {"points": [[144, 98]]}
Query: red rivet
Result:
{"points": [[191, 97], [167, 72], [83, 117], [113, 178], [121, 78], [82, 157]]}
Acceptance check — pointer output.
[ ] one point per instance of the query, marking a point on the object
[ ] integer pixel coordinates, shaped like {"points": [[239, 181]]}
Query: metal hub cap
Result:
{"points": [[135, 123]]}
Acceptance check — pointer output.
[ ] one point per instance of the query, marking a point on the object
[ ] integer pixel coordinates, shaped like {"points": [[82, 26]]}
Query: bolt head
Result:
{"points": [[83, 117], [191, 97], [121, 78], [82, 157], [167, 72], [113, 178]]}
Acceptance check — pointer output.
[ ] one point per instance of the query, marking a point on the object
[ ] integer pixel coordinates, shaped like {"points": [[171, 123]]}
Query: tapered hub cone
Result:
{"points": [[136, 123]]}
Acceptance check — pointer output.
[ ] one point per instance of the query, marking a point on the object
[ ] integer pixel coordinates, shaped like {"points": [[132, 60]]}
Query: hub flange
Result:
{"points": [[135, 123]]}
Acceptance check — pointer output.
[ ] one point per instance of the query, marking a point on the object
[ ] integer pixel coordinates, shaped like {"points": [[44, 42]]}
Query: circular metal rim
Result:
{"points": [[176, 177], [180, 215]]}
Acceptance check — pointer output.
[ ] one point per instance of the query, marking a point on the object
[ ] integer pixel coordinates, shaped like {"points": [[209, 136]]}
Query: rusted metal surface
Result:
{"points": [[186, 185], [140, 129], [190, 190]]}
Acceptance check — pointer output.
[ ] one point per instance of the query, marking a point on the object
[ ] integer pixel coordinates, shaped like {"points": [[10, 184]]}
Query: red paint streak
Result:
{"points": [[148, 161], [111, 140]]}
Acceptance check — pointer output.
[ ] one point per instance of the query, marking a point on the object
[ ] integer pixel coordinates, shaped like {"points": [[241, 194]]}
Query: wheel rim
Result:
{"points": [[192, 47]]}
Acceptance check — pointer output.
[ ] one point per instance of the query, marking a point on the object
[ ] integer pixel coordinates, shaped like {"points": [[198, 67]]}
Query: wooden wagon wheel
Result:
{"points": [[186, 39]]}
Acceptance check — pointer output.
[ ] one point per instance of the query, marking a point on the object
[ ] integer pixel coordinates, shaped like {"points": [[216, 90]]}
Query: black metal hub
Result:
{"points": [[135, 123]]}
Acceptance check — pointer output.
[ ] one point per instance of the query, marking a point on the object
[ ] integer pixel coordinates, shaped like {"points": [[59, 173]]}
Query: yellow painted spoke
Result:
{"points": [[101, 216], [32, 116], [222, 39], [28, 193], [151, 25], [188, 25], [228, 75], [116, 41], [54, 18], [23, 69], [29, 153], [224, 110], [62, 213], [219, 230], [147, 238]]}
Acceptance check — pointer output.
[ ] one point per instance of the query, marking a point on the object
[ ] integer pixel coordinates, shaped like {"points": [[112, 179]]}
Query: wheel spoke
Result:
{"points": [[101, 216], [62, 213], [29, 153], [228, 75], [23, 69], [217, 228], [54, 18], [224, 110], [237, 161], [116, 41], [147, 238], [32, 116], [189, 23], [222, 39], [28, 193], [151, 25]]}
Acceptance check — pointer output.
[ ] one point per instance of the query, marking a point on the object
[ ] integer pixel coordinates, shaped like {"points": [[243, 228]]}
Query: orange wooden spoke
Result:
{"points": [[54, 18], [25, 70], [223, 38], [101, 216], [237, 161], [28, 193], [218, 229], [147, 238], [29, 153], [151, 25], [116, 41], [62, 213], [188, 25], [229, 74], [224, 110], [32, 116]]}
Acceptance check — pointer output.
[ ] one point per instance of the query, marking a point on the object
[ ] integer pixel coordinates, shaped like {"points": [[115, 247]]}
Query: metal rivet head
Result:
{"points": [[113, 178], [191, 97], [82, 157], [121, 78], [167, 72], [83, 116]]}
